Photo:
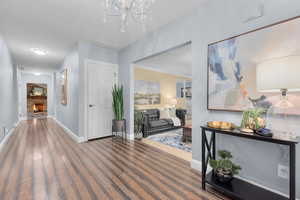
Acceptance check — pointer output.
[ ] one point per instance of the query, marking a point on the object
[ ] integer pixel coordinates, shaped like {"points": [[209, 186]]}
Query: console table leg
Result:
{"points": [[292, 172], [214, 145], [203, 160]]}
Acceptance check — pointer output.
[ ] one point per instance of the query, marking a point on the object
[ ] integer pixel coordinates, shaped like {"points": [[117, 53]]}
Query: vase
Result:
{"points": [[138, 135], [119, 125]]}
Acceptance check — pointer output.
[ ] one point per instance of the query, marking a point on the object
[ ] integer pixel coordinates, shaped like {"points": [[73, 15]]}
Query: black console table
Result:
{"points": [[237, 188]]}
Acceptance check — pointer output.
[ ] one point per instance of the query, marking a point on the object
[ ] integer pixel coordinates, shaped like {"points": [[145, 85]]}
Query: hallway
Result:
{"points": [[40, 161]]}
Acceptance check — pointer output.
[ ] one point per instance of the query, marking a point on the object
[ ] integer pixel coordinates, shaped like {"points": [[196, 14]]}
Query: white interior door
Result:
{"points": [[101, 78]]}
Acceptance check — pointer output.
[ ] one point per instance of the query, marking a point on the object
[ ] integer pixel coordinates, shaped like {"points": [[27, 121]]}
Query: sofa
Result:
{"points": [[152, 123]]}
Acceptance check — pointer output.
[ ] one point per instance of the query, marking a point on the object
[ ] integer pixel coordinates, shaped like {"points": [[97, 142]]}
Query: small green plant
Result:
{"points": [[224, 165], [117, 104], [251, 118]]}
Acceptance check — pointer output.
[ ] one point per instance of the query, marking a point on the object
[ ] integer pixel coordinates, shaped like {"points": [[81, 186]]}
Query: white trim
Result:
{"points": [[85, 91], [197, 165], [131, 100], [76, 138], [23, 118], [11, 131], [130, 137]]}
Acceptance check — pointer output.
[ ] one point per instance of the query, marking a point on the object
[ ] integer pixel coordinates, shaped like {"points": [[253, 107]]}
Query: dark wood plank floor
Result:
{"points": [[40, 161]]}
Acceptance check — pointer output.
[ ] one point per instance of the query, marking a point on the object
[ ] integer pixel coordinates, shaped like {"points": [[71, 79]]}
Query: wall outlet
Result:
{"points": [[283, 171]]}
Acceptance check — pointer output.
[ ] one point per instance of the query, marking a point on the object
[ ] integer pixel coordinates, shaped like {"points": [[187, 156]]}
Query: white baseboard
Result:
{"points": [[22, 118], [76, 138], [10, 132], [197, 165], [130, 137]]}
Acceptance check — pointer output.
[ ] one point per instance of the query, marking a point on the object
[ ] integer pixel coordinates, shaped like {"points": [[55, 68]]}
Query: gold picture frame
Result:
{"points": [[64, 86]]}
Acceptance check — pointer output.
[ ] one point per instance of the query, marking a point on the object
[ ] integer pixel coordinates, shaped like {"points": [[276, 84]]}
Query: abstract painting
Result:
{"points": [[147, 92], [232, 67], [63, 87]]}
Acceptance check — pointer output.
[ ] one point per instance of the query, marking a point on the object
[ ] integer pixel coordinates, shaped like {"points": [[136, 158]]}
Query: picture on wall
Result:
{"points": [[63, 87], [186, 92], [147, 92], [233, 67]]}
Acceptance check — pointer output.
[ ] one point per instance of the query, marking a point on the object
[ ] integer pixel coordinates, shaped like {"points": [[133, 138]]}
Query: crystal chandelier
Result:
{"points": [[139, 10]]}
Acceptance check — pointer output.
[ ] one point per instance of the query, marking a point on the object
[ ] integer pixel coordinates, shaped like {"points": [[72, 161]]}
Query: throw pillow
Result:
{"points": [[164, 114], [172, 112]]}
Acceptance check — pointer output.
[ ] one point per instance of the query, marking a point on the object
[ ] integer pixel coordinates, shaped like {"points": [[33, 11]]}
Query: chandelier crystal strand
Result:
{"points": [[139, 10]]}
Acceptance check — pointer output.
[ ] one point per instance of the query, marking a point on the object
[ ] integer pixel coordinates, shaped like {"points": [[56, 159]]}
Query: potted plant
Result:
{"points": [[252, 119], [224, 169], [138, 123], [118, 108]]}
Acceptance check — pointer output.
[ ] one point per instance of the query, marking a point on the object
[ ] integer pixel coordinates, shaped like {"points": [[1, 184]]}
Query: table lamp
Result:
{"points": [[279, 75], [173, 102]]}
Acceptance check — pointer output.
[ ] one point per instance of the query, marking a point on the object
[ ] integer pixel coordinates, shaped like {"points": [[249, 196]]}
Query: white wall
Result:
{"points": [[25, 78], [215, 21], [8, 89]]}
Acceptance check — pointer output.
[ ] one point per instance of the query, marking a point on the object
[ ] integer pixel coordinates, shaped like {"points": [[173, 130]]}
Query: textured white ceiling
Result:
{"points": [[177, 61], [56, 26]]}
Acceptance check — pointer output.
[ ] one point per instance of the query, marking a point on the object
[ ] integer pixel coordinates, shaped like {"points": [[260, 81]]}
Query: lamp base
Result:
{"points": [[278, 119]]}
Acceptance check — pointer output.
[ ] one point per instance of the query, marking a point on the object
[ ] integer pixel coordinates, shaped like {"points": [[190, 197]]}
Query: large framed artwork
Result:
{"points": [[64, 86], [146, 92], [233, 67]]}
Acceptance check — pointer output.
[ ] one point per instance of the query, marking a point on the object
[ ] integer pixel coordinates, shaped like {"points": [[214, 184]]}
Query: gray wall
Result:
{"points": [[8, 88], [90, 50], [217, 20], [31, 78], [71, 115]]}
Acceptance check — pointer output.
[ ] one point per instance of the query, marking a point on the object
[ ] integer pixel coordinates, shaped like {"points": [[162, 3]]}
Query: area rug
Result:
{"points": [[173, 139]]}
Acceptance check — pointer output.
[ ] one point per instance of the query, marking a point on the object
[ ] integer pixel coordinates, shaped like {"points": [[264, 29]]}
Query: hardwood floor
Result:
{"points": [[40, 161]]}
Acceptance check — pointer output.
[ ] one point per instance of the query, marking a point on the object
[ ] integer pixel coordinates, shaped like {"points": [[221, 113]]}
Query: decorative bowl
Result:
{"points": [[220, 125]]}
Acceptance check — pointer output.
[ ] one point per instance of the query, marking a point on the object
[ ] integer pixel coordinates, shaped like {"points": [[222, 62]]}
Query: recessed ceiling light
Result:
{"points": [[39, 51]]}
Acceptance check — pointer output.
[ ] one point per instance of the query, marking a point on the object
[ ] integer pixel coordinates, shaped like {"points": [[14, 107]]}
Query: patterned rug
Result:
{"points": [[173, 139]]}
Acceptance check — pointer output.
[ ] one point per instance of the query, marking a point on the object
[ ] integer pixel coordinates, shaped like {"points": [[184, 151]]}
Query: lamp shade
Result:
{"points": [[279, 73]]}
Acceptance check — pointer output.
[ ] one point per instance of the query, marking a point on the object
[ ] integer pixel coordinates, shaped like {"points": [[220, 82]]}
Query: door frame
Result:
{"points": [[83, 124], [132, 66]]}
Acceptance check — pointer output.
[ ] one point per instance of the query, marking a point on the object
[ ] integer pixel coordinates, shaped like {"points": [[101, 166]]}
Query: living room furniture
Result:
{"points": [[237, 188], [153, 124], [187, 133]]}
